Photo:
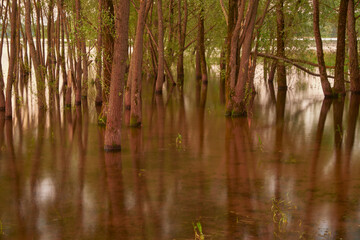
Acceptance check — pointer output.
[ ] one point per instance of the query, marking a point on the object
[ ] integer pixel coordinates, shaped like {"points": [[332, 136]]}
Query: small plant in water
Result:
{"points": [[199, 235], [178, 141], [260, 145]]}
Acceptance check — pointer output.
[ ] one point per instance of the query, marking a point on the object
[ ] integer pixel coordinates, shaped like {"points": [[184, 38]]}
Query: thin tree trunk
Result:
{"points": [[280, 22], [85, 77], [182, 25], [13, 58], [201, 43], [78, 39], [113, 124], [326, 87], [108, 48], [232, 66], [98, 60], [339, 83], [5, 24], [353, 54], [135, 72], [160, 73]]}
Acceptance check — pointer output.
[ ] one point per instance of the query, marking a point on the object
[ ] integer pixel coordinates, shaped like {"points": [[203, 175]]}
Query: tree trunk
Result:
{"points": [[353, 54], [108, 47], [319, 51], [2, 85], [13, 58], [135, 72], [85, 77], [242, 88], [339, 83], [36, 58], [78, 39], [113, 123], [281, 71], [98, 60], [182, 24], [232, 66], [201, 44], [160, 73]]}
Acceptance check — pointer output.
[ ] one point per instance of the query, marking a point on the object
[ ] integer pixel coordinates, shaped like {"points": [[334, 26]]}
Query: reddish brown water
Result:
{"points": [[289, 170]]}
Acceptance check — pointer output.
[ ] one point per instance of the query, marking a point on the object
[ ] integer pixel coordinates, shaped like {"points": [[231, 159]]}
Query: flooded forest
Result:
{"points": [[179, 119]]}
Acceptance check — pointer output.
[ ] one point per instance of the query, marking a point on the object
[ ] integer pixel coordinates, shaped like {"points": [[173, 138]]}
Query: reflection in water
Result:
{"points": [[287, 171]]}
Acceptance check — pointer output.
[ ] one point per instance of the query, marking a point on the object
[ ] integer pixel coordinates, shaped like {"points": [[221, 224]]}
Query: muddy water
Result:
{"points": [[289, 170]]}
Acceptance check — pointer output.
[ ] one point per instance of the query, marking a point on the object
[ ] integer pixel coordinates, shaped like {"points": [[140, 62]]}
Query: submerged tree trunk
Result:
{"points": [[339, 83], [13, 58], [113, 123], [353, 54], [160, 73], [326, 87], [135, 71], [281, 71]]}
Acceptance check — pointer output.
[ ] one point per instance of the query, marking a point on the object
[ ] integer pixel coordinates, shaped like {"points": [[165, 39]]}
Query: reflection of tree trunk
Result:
{"points": [[81, 172], [309, 209], [238, 184], [341, 177], [352, 120], [272, 92], [115, 189], [280, 113], [14, 170], [338, 118]]}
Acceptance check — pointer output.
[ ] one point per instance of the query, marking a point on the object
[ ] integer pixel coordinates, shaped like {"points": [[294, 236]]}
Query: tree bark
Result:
{"points": [[36, 58], [78, 39], [182, 25], [352, 45], [113, 123], [201, 43], [242, 88], [160, 73], [108, 48], [135, 71], [339, 84], [280, 23], [13, 58], [326, 87], [98, 60]]}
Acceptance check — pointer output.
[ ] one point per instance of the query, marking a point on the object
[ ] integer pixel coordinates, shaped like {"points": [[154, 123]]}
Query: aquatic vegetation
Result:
{"points": [[199, 235], [178, 141]]}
